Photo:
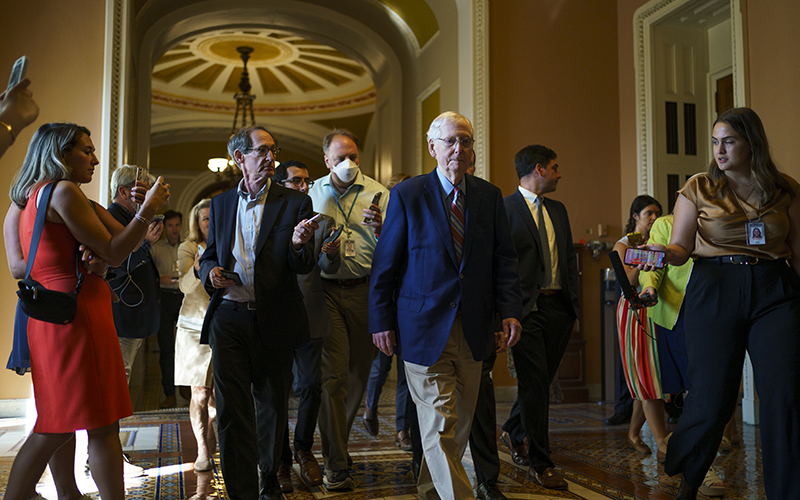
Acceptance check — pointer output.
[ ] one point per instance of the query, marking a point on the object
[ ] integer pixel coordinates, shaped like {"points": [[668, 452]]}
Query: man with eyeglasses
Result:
{"points": [[346, 195], [444, 270], [308, 376], [259, 239]]}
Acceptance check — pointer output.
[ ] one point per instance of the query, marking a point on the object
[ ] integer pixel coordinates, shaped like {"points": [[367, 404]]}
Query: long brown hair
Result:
{"points": [[766, 178]]}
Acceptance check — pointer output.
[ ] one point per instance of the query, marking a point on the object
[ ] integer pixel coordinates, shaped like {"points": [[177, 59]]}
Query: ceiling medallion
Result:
{"points": [[221, 48]]}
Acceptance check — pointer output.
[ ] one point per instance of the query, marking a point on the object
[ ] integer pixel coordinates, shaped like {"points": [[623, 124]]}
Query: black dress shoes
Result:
{"points": [[519, 454], [548, 478], [489, 491], [270, 488], [686, 492], [618, 419], [371, 422]]}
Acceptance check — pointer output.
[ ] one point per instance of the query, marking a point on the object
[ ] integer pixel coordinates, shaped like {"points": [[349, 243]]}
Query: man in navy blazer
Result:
{"points": [[255, 319], [444, 270], [550, 305]]}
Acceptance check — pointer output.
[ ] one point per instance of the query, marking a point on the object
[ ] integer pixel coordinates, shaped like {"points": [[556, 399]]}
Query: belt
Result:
{"points": [[238, 306], [350, 282], [744, 260], [549, 291]]}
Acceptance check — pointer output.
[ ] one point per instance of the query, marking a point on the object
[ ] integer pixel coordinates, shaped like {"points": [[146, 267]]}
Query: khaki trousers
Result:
{"points": [[346, 361], [445, 394]]}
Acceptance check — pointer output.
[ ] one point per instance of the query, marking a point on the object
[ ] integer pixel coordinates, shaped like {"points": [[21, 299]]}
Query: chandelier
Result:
{"points": [[226, 168]]}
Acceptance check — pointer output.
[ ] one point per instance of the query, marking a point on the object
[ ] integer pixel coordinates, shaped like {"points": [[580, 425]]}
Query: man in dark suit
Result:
{"points": [[443, 271], [256, 318], [549, 281]]}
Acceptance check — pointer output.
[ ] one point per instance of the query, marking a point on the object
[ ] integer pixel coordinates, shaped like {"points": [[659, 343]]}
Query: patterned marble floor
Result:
{"points": [[590, 455]]}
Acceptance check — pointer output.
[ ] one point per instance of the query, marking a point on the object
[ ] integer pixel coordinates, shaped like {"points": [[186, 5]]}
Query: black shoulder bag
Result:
{"points": [[37, 301]]}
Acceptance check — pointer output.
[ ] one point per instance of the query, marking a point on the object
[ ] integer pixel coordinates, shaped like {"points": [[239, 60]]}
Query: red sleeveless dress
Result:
{"points": [[78, 376]]}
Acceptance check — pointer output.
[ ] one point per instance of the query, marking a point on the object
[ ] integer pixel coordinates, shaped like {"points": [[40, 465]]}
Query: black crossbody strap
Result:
{"points": [[41, 212], [38, 226]]}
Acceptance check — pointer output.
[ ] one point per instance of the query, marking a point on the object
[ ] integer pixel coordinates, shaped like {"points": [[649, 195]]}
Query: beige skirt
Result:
{"points": [[192, 359]]}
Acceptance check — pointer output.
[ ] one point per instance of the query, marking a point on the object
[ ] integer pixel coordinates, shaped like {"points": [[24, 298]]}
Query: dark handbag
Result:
{"points": [[37, 301]]}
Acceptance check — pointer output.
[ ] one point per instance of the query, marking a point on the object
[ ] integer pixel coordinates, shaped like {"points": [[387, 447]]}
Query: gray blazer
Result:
{"points": [[319, 317]]}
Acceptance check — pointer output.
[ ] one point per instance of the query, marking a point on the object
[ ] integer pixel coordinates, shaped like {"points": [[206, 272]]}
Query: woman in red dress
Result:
{"points": [[78, 377]]}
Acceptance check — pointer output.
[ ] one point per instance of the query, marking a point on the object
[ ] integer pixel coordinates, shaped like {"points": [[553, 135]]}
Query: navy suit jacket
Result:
{"points": [[529, 250], [282, 319], [417, 285]]}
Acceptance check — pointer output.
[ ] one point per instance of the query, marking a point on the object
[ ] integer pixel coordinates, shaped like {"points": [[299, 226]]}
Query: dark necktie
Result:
{"points": [[545, 242], [457, 222]]}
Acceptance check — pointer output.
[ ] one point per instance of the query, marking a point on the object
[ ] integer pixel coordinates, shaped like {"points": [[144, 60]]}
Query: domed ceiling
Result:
{"points": [[289, 74]]}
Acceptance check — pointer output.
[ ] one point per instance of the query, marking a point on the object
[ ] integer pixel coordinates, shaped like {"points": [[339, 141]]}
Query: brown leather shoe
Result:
{"points": [[518, 454], [548, 478], [638, 446], [309, 468], [403, 440], [371, 421], [285, 478]]}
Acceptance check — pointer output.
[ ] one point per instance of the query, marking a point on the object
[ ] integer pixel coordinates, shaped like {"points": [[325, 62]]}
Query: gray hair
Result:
{"points": [[326, 142], [242, 141], [446, 117]]}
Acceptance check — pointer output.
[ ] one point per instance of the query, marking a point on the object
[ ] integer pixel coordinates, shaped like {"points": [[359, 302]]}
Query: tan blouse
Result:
{"points": [[721, 220]]}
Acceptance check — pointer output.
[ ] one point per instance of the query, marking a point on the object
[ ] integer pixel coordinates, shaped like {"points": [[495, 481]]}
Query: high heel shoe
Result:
{"points": [[639, 446], [686, 492]]}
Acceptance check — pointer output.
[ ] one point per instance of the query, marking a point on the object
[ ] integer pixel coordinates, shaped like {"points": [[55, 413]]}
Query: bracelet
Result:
{"points": [[10, 131], [142, 219]]}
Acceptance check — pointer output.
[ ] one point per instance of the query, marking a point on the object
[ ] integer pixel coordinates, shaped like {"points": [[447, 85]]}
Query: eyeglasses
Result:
{"points": [[263, 150], [450, 142], [299, 181]]}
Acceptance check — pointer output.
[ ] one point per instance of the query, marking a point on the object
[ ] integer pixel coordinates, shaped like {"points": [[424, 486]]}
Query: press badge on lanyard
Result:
{"points": [[755, 232], [349, 242]]}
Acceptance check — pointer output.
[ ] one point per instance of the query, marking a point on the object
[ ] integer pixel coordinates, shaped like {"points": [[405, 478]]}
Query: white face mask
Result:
{"points": [[346, 170]]}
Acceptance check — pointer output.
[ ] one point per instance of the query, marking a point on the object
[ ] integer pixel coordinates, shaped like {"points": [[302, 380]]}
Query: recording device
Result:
{"points": [[375, 200], [628, 291], [18, 71], [316, 218], [634, 238], [640, 256], [158, 218], [333, 236], [231, 275]]}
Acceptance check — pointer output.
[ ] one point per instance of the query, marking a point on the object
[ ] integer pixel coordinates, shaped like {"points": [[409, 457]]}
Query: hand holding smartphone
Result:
{"points": [[231, 275], [375, 200], [641, 256]]}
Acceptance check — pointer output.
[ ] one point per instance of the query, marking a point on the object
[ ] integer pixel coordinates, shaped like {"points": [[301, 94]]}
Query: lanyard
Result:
{"points": [[336, 199]]}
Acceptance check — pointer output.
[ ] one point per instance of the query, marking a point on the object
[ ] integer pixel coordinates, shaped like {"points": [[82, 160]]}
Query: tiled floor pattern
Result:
{"points": [[590, 455]]}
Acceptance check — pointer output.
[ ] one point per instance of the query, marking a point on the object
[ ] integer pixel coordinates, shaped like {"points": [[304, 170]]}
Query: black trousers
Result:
{"points": [[731, 309], [308, 387], [483, 434], [545, 335], [252, 383], [171, 301]]}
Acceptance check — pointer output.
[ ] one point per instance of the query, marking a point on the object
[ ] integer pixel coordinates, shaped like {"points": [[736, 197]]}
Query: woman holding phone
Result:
{"points": [[78, 377], [743, 296], [192, 359], [637, 344]]}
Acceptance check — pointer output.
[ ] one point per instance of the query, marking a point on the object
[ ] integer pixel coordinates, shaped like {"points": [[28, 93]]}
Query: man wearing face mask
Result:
{"points": [[346, 194]]}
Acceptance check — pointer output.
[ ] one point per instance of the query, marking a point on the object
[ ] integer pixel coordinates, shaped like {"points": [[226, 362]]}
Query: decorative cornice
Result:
{"points": [[364, 98]]}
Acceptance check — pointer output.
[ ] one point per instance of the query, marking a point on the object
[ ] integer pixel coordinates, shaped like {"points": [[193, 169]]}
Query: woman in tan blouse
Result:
{"points": [[743, 295]]}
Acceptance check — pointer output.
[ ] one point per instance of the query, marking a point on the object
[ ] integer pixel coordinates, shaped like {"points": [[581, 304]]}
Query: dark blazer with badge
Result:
{"points": [[529, 250], [417, 285], [138, 313], [281, 314]]}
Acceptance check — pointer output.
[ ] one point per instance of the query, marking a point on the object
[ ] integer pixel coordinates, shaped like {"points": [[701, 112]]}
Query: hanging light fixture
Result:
{"points": [[226, 168]]}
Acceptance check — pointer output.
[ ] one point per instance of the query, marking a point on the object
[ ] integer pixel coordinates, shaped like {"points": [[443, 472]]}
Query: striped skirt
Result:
{"points": [[639, 351]]}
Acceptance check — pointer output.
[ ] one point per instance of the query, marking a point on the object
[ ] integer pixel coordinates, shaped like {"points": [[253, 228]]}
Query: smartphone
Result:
{"points": [[18, 71], [336, 234], [634, 238], [637, 256], [316, 218], [231, 275], [158, 218], [375, 200], [142, 175]]}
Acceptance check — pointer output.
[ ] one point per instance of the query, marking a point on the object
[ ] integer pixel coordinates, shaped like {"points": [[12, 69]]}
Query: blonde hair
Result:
{"points": [[195, 235], [44, 161]]}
